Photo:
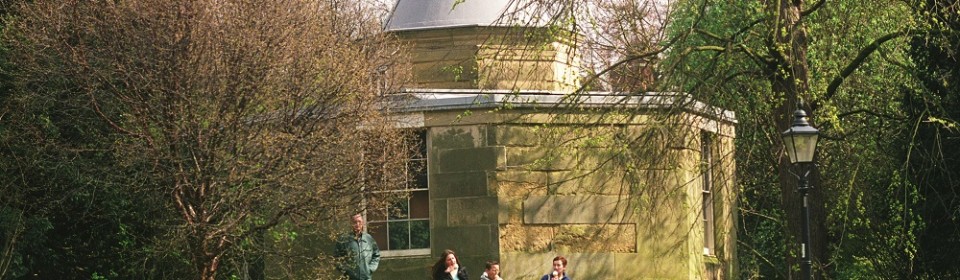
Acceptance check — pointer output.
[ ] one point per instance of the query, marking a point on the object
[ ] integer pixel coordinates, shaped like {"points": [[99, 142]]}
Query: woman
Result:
{"points": [[559, 270], [448, 268]]}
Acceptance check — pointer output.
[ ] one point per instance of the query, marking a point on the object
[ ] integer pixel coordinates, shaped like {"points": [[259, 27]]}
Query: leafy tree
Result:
{"points": [[931, 162], [847, 63], [839, 61]]}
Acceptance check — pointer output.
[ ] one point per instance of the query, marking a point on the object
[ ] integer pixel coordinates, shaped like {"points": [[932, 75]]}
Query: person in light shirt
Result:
{"points": [[491, 271]]}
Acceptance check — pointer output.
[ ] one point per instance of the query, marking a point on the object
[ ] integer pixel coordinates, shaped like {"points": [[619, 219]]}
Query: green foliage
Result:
{"points": [[932, 163], [455, 70], [879, 232], [725, 56], [68, 205]]}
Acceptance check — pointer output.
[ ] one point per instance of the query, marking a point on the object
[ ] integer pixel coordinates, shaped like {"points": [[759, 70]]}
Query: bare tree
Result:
{"points": [[245, 114]]}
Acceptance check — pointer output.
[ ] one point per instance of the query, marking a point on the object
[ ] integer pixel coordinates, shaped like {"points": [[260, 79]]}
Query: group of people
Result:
{"points": [[361, 257], [449, 268]]}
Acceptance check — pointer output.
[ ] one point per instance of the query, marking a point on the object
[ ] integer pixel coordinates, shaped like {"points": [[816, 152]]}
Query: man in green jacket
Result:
{"points": [[358, 252]]}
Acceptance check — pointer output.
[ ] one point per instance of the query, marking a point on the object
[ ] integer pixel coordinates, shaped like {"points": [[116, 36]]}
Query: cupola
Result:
{"points": [[484, 44]]}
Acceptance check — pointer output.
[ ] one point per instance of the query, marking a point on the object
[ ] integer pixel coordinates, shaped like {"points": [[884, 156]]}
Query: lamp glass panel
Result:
{"points": [[791, 149], [800, 147], [805, 145]]}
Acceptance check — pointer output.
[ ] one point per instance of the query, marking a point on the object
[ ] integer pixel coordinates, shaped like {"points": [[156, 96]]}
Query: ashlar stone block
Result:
{"points": [[592, 182], [526, 238], [514, 135], [472, 211], [456, 137], [510, 210], [465, 240], [540, 158], [464, 184], [521, 186], [587, 209], [580, 238], [471, 159]]}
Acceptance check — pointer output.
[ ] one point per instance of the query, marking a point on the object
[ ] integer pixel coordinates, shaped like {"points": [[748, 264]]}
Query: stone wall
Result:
{"points": [[491, 58], [619, 199], [583, 193], [463, 207]]}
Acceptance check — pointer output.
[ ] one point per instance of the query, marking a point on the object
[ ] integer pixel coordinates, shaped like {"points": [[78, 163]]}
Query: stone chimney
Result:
{"points": [[473, 45]]}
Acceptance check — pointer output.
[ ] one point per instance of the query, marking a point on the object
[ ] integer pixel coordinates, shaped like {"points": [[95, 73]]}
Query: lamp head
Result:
{"points": [[800, 139]]}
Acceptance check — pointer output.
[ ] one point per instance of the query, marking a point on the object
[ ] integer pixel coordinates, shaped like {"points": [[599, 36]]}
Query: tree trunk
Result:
{"points": [[210, 266], [205, 258], [789, 78]]}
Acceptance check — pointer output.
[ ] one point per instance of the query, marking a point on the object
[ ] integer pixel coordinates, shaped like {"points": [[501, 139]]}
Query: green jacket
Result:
{"points": [[359, 258]]}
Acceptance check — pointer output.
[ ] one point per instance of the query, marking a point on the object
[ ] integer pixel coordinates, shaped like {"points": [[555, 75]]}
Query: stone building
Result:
{"points": [[625, 186]]}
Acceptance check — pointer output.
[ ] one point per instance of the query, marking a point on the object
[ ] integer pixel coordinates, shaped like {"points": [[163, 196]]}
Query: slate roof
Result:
{"points": [[433, 14]]}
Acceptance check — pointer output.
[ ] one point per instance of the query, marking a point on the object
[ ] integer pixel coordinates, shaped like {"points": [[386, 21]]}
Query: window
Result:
{"points": [[404, 227], [706, 172]]}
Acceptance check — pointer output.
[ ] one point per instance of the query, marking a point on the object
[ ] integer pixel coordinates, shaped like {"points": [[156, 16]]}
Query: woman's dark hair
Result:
{"points": [[440, 267]]}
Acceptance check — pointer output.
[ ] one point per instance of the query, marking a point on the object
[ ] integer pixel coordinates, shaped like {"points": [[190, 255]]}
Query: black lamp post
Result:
{"points": [[801, 143]]}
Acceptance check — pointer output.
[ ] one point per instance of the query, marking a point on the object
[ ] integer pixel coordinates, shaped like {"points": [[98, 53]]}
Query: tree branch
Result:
{"points": [[813, 9], [872, 113], [593, 78], [861, 57], [757, 58], [711, 35]]}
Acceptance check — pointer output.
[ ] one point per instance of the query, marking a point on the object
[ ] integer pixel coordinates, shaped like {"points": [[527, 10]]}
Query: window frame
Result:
{"points": [[410, 189], [707, 200]]}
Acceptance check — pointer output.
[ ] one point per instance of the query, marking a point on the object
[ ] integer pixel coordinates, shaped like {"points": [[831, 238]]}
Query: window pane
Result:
{"points": [[400, 209], [376, 215], [399, 235], [420, 234], [706, 207], [379, 233], [421, 144], [417, 174], [376, 208], [372, 167], [420, 205]]}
